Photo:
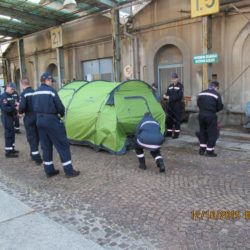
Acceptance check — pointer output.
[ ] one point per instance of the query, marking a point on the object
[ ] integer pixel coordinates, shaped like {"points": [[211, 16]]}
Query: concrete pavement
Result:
{"points": [[120, 207], [22, 228]]}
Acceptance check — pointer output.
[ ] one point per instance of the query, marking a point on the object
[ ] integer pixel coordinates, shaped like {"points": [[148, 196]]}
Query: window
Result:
{"points": [[101, 69]]}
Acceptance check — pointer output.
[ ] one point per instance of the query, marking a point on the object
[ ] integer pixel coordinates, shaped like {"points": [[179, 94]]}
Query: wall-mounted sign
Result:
{"points": [[207, 58], [128, 71], [56, 37], [204, 7]]}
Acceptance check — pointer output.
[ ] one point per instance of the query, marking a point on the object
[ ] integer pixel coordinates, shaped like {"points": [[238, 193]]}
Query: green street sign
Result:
{"points": [[207, 58]]}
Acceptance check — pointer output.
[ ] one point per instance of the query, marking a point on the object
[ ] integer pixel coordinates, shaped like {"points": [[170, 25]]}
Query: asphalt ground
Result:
{"points": [[198, 203]]}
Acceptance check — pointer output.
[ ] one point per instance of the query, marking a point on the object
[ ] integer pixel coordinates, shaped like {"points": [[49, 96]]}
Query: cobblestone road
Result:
{"points": [[120, 206]]}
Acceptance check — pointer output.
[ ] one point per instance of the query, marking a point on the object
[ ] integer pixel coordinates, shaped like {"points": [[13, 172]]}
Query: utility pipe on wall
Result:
{"points": [[134, 38]]}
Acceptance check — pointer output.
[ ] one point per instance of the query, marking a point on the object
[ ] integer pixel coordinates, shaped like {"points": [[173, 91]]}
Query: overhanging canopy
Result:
{"points": [[23, 17]]}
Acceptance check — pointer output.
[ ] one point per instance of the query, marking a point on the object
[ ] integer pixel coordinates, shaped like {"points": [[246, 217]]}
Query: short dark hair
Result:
{"points": [[214, 84], [25, 81]]}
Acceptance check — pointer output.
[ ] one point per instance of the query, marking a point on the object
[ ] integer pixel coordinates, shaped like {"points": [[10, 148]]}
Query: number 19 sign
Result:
{"points": [[204, 7]]}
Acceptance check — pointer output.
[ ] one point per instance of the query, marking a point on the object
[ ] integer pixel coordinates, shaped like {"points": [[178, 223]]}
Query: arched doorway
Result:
{"points": [[168, 59], [17, 78], [52, 69]]}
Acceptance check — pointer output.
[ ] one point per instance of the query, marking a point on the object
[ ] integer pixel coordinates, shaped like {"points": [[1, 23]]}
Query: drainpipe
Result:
{"points": [[134, 38], [6, 70]]}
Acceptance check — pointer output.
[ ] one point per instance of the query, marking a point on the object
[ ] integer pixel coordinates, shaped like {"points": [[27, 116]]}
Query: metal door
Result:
{"points": [[164, 76]]}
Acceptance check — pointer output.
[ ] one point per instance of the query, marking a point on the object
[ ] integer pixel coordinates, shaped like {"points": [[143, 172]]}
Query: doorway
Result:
{"points": [[168, 59]]}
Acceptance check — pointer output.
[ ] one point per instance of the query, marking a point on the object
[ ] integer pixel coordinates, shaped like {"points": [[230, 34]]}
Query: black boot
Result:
{"points": [[55, 172], [202, 151], [176, 135], [10, 154], [142, 163], [15, 151], [211, 154], [74, 173], [37, 159], [160, 165], [168, 134]]}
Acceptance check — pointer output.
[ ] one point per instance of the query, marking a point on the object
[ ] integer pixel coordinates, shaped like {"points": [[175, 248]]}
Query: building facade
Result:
{"points": [[161, 38]]}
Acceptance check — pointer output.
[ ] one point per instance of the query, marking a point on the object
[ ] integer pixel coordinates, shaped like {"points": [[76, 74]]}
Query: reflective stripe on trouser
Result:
{"points": [[52, 132], [208, 130], [16, 123], [139, 153], [32, 136], [48, 167], [156, 154], [174, 117], [9, 132], [36, 156]]}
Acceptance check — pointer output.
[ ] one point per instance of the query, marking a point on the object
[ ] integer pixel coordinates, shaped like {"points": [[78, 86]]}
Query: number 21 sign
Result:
{"points": [[204, 7], [56, 37]]}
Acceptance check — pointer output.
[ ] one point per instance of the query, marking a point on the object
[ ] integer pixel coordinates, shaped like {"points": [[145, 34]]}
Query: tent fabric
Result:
{"points": [[104, 114]]}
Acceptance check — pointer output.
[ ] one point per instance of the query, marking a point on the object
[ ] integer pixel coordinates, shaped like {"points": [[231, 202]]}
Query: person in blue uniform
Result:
{"points": [[49, 109], [209, 103], [174, 97], [29, 120], [9, 109], [149, 136], [16, 117]]}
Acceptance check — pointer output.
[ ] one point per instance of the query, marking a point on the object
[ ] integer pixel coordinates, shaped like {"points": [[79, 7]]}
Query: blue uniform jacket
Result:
{"points": [[175, 93], [7, 104], [209, 102], [25, 105], [148, 133], [47, 101]]}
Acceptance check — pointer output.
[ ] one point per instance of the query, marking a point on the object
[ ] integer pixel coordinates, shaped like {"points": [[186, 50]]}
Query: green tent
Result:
{"points": [[104, 114]]}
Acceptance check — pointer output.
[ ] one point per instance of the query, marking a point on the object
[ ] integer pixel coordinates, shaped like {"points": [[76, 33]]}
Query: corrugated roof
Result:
{"points": [[22, 17]]}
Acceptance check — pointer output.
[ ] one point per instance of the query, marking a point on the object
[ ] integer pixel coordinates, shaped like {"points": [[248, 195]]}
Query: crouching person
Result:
{"points": [[149, 136]]}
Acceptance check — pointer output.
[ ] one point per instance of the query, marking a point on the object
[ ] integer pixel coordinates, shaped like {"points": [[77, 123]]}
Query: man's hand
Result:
{"points": [[17, 105], [166, 97]]}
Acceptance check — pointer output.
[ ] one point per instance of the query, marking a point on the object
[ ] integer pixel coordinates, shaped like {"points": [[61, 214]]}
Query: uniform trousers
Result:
{"points": [[52, 132], [174, 118], [9, 132], [29, 121], [208, 131], [139, 150]]}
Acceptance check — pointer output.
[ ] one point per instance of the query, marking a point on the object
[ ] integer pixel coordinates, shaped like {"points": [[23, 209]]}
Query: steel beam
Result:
{"points": [[116, 44], [21, 56], [107, 3], [10, 33], [28, 17]]}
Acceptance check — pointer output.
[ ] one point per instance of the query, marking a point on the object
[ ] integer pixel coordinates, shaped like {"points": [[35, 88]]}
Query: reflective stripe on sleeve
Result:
{"points": [[44, 92], [28, 94], [149, 122], [209, 94]]}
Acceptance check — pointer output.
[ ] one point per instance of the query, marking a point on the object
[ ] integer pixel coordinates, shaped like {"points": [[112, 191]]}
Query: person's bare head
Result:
{"points": [[25, 82]]}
